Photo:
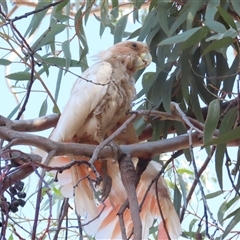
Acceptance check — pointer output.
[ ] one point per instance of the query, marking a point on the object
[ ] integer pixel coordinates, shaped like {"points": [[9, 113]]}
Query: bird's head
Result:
{"points": [[133, 54]]}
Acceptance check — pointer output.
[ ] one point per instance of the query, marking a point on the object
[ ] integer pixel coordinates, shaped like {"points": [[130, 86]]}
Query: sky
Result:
{"points": [[96, 44]]}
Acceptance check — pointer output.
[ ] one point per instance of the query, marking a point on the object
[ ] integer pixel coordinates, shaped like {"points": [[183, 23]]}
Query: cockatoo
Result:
{"points": [[99, 100]]}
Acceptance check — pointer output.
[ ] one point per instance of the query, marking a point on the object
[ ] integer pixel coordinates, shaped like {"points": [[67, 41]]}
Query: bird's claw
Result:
{"points": [[106, 181], [117, 151]]}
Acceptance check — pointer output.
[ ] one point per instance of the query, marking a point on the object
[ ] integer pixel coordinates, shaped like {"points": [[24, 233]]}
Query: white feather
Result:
{"points": [[85, 96]]}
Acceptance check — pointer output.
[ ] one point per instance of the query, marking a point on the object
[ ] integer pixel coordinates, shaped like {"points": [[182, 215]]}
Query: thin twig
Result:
{"points": [[111, 138]]}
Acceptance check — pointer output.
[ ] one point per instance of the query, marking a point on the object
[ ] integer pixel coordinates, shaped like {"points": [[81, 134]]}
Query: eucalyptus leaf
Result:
{"points": [[181, 37], [5, 62], [211, 122], [20, 76]]}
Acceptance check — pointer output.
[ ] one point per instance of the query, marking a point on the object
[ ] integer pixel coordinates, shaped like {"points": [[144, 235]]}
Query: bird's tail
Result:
{"points": [[76, 183], [108, 223]]}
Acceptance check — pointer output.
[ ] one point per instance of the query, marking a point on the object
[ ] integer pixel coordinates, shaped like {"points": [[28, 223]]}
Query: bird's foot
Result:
{"points": [[117, 151], [106, 181]]}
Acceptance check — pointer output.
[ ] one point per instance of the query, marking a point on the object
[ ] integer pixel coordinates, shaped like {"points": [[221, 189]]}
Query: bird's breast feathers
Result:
{"points": [[116, 99], [103, 94]]}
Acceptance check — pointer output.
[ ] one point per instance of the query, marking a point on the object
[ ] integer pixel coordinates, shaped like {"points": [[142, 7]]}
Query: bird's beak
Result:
{"points": [[143, 60]]}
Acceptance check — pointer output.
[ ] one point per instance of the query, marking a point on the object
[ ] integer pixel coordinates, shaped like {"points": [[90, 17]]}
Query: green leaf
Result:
{"points": [[195, 104], [233, 213], [226, 125], [163, 8], [43, 109], [5, 62], [236, 6], [177, 199], [185, 171], [140, 125], [61, 5], [20, 76], [119, 29], [58, 84], [10, 237], [221, 211], [186, 71], [5, 6], [194, 7], [37, 17], [56, 109], [216, 45], [135, 33], [183, 189], [211, 9], [219, 156], [14, 110], [89, 5], [181, 18], [227, 17], [48, 36], [214, 194], [61, 62], [149, 23], [224, 138], [67, 53], [215, 26], [196, 37], [192, 223], [148, 80], [180, 37], [60, 18], [232, 224], [211, 122]]}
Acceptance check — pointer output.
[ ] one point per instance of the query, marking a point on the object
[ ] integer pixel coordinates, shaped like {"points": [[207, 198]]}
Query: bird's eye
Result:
{"points": [[134, 45]]}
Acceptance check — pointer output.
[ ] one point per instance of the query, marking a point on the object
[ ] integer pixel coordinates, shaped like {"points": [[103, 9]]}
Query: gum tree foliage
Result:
{"points": [[192, 43]]}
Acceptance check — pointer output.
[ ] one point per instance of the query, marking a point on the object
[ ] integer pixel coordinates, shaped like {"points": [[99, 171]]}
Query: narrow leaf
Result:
{"points": [[224, 138], [48, 36], [236, 6], [216, 45], [14, 111], [215, 26], [20, 76], [61, 5], [61, 62], [196, 37], [5, 62], [226, 126], [183, 189], [119, 29], [180, 37], [149, 23], [227, 17], [211, 122], [177, 199], [211, 9], [67, 53], [43, 109], [5, 6], [213, 195], [163, 9], [58, 84], [232, 224], [37, 17]]}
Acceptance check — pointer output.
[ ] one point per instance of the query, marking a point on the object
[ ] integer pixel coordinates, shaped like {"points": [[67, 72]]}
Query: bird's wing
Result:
{"points": [[86, 93]]}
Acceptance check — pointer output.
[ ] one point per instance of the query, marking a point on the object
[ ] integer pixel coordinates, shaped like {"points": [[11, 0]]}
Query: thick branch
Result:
{"points": [[143, 150], [129, 179], [31, 125]]}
